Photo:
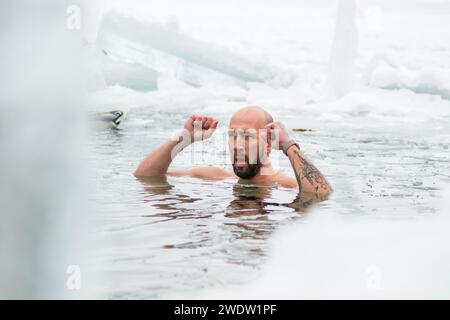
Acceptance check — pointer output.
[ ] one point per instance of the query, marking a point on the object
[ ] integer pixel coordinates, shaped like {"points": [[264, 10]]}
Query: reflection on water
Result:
{"points": [[249, 199], [248, 206], [253, 199]]}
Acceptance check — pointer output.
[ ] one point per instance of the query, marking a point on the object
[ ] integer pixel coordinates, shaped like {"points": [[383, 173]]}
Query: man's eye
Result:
{"points": [[234, 133]]}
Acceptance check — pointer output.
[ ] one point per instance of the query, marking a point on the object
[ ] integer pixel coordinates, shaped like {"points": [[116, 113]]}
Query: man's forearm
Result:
{"points": [[157, 163], [308, 177], [196, 128]]}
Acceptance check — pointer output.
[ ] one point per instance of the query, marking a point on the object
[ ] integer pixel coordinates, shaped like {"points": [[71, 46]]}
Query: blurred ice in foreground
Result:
{"points": [[41, 94]]}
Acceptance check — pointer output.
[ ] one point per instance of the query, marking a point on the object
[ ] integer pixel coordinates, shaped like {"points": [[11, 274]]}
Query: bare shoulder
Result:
{"points": [[204, 173]]}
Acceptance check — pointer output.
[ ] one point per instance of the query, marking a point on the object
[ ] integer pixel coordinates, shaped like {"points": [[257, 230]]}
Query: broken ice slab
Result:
{"points": [[164, 65], [170, 41], [106, 70], [130, 75]]}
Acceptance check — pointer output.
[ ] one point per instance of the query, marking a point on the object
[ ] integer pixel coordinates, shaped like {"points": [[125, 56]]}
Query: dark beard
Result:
{"points": [[248, 172]]}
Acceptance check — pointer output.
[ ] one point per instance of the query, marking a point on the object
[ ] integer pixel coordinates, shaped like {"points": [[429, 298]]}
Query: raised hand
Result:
{"points": [[200, 127], [278, 134]]}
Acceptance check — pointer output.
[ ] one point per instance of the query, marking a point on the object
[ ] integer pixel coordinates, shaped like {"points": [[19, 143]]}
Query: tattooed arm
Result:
{"points": [[309, 178]]}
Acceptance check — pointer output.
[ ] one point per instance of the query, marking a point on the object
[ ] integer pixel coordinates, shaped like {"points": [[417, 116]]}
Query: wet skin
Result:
{"points": [[252, 136]]}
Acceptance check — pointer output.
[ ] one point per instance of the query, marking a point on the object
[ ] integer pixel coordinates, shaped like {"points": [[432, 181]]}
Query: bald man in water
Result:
{"points": [[252, 136]]}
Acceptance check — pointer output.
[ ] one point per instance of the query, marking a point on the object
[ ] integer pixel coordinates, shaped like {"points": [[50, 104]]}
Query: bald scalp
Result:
{"points": [[252, 114]]}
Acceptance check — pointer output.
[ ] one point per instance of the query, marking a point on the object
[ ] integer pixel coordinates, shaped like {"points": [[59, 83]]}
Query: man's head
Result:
{"points": [[248, 142]]}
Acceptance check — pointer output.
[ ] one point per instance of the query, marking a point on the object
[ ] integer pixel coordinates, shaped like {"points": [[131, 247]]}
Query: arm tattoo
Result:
{"points": [[299, 179], [306, 170]]}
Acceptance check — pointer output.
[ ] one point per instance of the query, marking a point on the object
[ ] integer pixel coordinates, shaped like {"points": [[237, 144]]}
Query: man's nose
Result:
{"points": [[240, 147], [239, 154], [240, 151], [240, 142]]}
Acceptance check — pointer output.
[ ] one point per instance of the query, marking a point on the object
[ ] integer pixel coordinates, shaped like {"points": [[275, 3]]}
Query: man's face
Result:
{"points": [[247, 148]]}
